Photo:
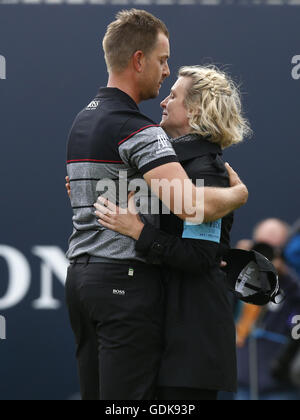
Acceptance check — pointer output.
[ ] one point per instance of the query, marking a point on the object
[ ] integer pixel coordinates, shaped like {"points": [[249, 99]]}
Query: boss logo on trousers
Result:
{"points": [[119, 292]]}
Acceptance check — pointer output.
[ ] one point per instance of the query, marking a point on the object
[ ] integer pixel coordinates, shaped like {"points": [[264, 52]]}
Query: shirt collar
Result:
{"points": [[117, 94]]}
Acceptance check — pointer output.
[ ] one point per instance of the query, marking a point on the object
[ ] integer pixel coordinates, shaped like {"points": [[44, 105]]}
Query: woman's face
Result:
{"points": [[175, 116]]}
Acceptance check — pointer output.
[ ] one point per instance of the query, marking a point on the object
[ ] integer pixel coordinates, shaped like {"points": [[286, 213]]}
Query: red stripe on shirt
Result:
{"points": [[136, 132], [96, 161]]}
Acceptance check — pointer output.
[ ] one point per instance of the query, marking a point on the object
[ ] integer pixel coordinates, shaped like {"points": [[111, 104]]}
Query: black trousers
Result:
{"points": [[117, 315]]}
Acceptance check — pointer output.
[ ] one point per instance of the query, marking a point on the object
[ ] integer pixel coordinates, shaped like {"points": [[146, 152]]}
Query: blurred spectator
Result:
{"points": [[245, 244], [274, 232], [249, 316], [292, 250], [263, 333]]}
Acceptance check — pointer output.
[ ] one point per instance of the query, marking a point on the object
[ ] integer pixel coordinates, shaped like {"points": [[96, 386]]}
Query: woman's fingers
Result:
{"points": [[105, 206], [131, 203], [103, 217], [68, 186], [106, 220], [105, 224], [106, 203], [102, 209]]}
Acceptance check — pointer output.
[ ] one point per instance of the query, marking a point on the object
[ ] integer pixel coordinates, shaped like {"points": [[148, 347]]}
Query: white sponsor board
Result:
{"points": [[53, 267]]}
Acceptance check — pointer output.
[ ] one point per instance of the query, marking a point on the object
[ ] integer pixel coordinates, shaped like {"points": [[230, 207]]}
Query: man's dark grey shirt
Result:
{"points": [[110, 135]]}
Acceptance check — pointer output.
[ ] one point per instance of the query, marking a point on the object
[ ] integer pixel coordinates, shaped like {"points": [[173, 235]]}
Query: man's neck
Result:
{"points": [[125, 83]]}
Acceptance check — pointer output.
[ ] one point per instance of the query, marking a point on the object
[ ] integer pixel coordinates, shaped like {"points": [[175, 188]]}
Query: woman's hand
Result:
{"points": [[125, 221], [68, 186]]}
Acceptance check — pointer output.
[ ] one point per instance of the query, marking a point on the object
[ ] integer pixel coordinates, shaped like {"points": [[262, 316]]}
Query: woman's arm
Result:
{"points": [[192, 255], [157, 246]]}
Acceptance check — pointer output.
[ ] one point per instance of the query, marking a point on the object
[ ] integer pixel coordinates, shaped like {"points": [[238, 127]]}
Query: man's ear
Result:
{"points": [[138, 60]]}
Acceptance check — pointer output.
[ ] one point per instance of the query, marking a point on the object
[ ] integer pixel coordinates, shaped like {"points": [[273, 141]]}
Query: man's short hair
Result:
{"points": [[133, 30]]}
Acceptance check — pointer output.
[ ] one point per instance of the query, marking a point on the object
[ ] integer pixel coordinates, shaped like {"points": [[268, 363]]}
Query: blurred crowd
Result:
{"points": [[268, 338]]}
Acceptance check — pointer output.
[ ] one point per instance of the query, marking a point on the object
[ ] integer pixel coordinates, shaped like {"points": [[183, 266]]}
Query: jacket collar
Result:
{"points": [[193, 145]]}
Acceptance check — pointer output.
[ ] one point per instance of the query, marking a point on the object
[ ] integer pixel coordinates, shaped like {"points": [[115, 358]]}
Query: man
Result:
{"points": [[115, 299]]}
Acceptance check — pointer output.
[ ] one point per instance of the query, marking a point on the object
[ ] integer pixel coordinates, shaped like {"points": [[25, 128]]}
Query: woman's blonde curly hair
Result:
{"points": [[214, 106]]}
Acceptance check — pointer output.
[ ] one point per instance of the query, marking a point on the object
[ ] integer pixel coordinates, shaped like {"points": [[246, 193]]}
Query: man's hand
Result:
{"points": [[235, 181], [68, 186], [233, 176], [220, 202]]}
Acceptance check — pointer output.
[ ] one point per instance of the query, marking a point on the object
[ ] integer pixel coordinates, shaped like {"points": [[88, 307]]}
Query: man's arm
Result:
{"points": [[217, 203], [149, 151]]}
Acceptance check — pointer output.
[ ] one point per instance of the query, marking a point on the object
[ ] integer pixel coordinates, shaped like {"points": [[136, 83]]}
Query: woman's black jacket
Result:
{"points": [[200, 340]]}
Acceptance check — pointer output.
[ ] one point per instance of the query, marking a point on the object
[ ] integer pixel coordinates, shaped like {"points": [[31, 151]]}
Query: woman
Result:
{"points": [[203, 116]]}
